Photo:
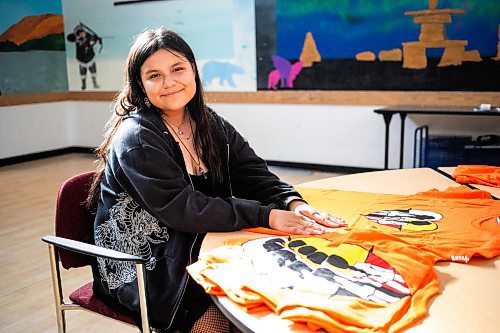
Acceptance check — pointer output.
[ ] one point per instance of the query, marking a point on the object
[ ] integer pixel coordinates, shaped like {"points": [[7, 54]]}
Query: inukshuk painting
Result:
{"points": [[382, 45]]}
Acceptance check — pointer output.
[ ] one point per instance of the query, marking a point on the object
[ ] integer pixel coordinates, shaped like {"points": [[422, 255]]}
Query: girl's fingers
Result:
{"points": [[329, 220], [312, 225], [337, 221], [307, 222], [306, 231], [303, 225], [320, 217]]}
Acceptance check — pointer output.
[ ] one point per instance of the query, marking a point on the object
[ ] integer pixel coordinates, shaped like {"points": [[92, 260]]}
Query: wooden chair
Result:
{"points": [[70, 246]]}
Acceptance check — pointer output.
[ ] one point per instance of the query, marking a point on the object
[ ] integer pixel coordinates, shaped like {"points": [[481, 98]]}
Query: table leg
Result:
{"points": [[387, 121], [402, 141]]}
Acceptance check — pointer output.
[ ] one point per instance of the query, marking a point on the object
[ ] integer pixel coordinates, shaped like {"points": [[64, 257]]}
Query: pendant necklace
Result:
{"points": [[198, 163], [179, 129]]}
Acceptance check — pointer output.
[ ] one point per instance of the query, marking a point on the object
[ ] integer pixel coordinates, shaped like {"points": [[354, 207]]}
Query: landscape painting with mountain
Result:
{"points": [[32, 47]]}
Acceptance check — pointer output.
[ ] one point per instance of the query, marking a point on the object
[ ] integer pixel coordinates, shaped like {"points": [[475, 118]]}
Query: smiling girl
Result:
{"points": [[169, 171]]}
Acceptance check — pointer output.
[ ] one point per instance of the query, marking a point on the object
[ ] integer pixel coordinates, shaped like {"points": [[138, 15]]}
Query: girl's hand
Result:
{"points": [[294, 223], [309, 211]]}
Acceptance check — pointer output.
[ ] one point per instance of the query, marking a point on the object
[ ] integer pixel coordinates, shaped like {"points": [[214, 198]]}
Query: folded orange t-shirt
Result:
{"points": [[477, 174], [363, 281]]}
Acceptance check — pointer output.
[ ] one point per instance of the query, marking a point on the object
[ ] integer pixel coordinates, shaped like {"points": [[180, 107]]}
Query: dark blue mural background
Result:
{"points": [[342, 28]]}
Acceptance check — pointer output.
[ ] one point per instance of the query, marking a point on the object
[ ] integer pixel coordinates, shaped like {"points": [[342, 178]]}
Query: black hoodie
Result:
{"points": [[148, 207]]}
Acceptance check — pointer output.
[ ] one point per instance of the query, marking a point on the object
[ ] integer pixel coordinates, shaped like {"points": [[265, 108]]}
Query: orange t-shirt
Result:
{"points": [[455, 225], [374, 275], [363, 281], [477, 174]]}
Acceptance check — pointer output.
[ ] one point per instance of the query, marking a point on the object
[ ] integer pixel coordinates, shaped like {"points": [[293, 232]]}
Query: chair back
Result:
{"points": [[72, 218]]}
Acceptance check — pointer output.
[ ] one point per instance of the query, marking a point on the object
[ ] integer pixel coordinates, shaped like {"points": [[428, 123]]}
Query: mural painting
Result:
{"points": [[85, 40], [382, 45], [32, 56], [100, 32], [248, 45]]}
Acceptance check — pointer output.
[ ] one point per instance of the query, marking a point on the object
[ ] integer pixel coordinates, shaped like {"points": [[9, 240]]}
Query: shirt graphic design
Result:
{"points": [[406, 219], [312, 263], [362, 281], [130, 229]]}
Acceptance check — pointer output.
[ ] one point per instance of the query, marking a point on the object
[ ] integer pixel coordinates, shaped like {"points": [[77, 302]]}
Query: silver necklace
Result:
{"points": [[198, 163], [188, 139], [179, 129]]}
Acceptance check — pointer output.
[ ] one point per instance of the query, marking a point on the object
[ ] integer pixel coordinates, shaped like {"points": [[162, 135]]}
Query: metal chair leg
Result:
{"points": [[56, 284], [142, 298]]}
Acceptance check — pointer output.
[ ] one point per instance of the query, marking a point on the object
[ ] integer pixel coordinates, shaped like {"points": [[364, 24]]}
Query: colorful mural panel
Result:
{"points": [[244, 45], [32, 55], [379, 45], [221, 33]]}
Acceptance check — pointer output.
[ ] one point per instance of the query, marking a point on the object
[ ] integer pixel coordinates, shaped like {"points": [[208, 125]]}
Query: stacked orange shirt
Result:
{"points": [[374, 275], [355, 282], [477, 174]]}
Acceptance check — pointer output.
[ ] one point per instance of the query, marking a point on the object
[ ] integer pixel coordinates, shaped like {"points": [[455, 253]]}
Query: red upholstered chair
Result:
{"points": [[70, 247]]}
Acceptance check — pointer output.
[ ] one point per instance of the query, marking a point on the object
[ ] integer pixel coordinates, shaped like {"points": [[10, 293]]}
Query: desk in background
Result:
{"points": [[495, 191], [404, 110], [470, 293]]}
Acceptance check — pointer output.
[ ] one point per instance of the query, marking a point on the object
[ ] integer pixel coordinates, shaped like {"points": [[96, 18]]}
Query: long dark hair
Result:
{"points": [[131, 97]]}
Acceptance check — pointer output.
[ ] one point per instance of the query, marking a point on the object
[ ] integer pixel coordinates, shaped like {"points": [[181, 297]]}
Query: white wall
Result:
{"points": [[350, 136], [33, 128], [317, 134]]}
